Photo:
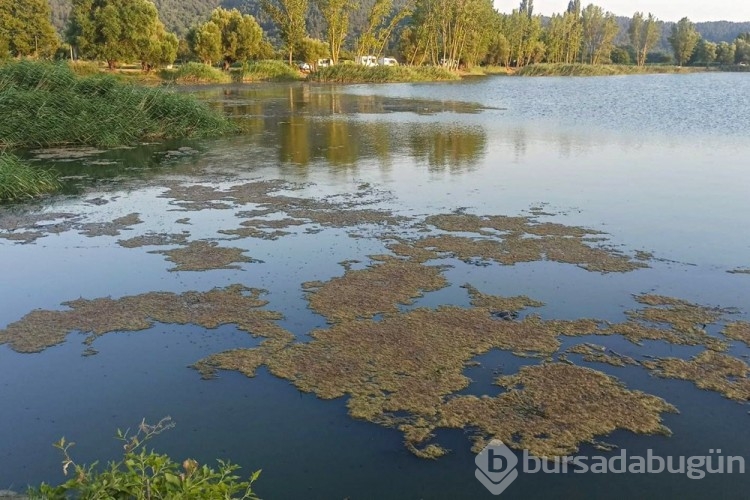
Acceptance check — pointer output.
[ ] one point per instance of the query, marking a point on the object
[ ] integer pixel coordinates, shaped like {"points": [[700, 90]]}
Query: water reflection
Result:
{"points": [[306, 124]]}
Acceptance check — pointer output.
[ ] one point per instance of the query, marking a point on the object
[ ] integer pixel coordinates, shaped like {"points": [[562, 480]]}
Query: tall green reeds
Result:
{"points": [[352, 73], [19, 181], [44, 104]]}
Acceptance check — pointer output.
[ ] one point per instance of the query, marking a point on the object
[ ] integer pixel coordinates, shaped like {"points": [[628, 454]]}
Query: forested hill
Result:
{"points": [[180, 15]]}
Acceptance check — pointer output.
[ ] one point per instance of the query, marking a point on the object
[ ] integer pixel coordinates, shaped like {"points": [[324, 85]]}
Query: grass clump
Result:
{"points": [[45, 104], [350, 73], [274, 71], [194, 72], [19, 180]]}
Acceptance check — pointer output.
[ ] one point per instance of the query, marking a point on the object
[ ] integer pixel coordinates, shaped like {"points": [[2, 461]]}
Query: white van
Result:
{"points": [[387, 61], [366, 60], [324, 63]]}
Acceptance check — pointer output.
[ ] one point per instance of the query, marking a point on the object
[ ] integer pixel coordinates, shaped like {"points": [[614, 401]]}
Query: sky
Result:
{"points": [[666, 10]]}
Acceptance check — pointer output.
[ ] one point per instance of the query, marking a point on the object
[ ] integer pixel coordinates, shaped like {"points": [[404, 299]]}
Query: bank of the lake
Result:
{"points": [[49, 105]]}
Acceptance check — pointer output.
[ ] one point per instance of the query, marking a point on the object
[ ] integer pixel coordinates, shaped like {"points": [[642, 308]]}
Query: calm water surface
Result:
{"points": [[659, 162]]}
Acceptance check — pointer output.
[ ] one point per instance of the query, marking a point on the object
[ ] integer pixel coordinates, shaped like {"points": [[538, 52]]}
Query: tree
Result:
{"points": [[26, 29], [120, 30], [725, 53], [599, 32], [620, 55], [228, 36], [289, 17], [337, 15], [381, 21], [705, 53], [683, 39], [563, 37], [644, 34], [311, 50], [742, 49]]}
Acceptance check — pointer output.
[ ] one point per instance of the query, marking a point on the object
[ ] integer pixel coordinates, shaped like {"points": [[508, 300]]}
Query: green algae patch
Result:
{"points": [[155, 240], [411, 252], [710, 371], [112, 228], [267, 229], [204, 256], [523, 239], [380, 288], [594, 353], [235, 304], [506, 307], [407, 363], [551, 409], [669, 319], [738, 330]]}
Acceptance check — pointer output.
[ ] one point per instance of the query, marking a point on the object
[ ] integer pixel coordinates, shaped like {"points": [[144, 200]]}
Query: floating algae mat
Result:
{"points": [[205, 255], [235, 304], [406, 369]]}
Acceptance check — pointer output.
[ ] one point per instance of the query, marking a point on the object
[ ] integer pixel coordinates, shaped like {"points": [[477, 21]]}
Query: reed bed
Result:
{"points": [[351, 73], [19, 180], [45, 104]]}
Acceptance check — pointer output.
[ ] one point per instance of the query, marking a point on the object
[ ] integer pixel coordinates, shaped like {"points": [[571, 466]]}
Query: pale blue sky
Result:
{"points": [[666, 10]]}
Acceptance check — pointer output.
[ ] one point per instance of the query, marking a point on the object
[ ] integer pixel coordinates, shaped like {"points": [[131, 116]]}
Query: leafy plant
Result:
{"points": [[143, 474]]}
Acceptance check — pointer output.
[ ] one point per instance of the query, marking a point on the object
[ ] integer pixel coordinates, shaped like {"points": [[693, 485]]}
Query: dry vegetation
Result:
{"points": [[204, 256], [232, 305]]}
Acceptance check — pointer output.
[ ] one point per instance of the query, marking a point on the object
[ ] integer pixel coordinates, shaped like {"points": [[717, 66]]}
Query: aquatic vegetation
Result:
{"points": [[511, 240], [204, 256], [113, 228], [669, 319], [378, 289], [235, 304], [709, 370], [505, 307], [577, 69], [45, 104], [550, 409], [27, 228], [351, 73], [194, 72], [599, 354], [155, 239], [740, 270], [20, 180], [413, 253], [738, 330], [277, 71]]}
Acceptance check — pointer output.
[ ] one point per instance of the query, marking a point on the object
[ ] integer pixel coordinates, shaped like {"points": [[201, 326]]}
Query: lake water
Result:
{"points": [[658, 162]]}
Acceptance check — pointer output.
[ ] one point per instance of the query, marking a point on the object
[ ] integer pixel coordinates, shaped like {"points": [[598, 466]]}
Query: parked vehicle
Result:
{"points": [[303, 66], [366, 60], [324, 63], [387, 61]]}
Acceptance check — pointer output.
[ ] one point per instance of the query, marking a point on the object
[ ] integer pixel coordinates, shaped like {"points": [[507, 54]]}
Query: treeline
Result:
{"points": [[451, 33]]}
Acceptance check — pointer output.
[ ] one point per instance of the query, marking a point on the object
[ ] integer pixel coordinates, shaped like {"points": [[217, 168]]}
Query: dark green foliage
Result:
{"points": [[120, 30], [45, 104], [19, 180], [26, 30]]}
